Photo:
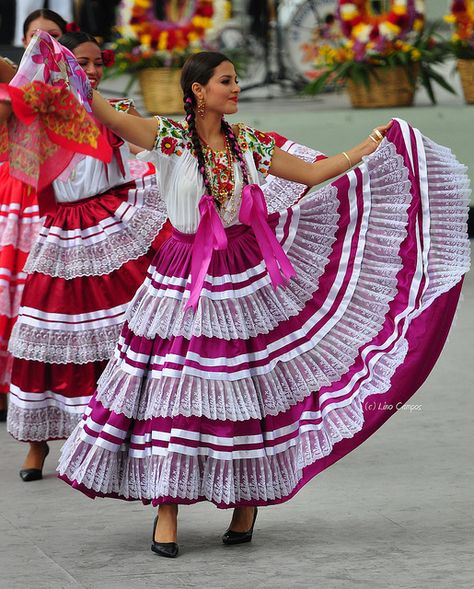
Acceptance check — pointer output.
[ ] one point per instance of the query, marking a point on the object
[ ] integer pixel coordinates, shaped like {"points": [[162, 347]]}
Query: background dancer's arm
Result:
{"points": [[289, 167], [7, 71], [5, 111], [136, 130]]}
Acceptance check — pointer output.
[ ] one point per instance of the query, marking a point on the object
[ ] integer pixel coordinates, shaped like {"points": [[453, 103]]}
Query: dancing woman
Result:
{"points": [[249, 352], [19, 217]]}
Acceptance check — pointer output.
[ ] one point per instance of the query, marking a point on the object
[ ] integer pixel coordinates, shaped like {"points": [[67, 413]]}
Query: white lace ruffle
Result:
{"points": [[449, 192], [139, 231], [10, 298], [63, 347], [281, 194], [17, 233], [258, 312], [40, 425], [287, 383], [221, 481]]}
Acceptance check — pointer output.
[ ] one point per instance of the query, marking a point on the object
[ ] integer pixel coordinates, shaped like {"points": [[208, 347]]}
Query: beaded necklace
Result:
{"points": [[220, 170]]}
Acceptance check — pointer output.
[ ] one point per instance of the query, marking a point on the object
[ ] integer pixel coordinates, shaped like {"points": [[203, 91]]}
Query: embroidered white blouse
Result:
{"points": [[178, 177]]}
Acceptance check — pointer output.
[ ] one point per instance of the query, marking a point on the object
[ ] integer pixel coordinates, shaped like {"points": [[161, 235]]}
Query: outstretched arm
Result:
{"points": [[289, 167], [136, 130]]}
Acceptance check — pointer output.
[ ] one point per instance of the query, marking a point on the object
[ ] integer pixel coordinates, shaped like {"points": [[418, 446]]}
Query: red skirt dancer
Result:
{"points": [[242, 400], [19, 225]]}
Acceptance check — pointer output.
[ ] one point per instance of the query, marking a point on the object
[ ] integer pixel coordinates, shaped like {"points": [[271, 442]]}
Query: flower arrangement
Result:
{"points": [[361, 25], [462, 39], [396, 38], [143, 41]]}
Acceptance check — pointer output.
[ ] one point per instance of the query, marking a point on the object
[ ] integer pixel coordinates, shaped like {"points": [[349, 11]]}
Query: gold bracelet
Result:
{"points": [[348, 159], [378, 134]]}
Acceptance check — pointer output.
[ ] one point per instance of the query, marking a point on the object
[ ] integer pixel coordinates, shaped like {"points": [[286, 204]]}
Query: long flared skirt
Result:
{"points": [[246, 399]]}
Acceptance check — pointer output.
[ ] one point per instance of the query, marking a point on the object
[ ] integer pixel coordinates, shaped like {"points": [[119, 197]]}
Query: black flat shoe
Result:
{"points": [[33, 474], [229, 537], [166, 549]]}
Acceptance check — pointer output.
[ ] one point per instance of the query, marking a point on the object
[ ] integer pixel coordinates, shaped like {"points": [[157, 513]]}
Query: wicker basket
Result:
{"points": [[161, 90], [393, 86], [466, 72]]}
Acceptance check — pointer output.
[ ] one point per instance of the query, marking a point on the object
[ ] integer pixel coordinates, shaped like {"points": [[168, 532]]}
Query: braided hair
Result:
{"points": [[200, 68]]}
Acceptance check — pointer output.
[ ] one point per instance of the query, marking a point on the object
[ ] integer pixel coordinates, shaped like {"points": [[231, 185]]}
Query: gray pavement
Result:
{"points": [[396, 513]]}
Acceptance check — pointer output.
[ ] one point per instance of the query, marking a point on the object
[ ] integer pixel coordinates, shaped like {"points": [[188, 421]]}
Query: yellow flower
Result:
{"points": [[201, 22], [193, 37], [348, 11], [399, 9], [415, 54], [418, 25], [361, 32], [455, 37], [143, 3], [163, 41], [145, 40], [449, 18]]}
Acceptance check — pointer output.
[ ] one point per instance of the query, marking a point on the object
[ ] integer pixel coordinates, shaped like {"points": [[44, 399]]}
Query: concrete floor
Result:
{"points": [[396, 513]]}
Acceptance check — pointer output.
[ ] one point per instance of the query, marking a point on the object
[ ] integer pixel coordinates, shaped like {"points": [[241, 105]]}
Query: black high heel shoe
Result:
{"points": [[166, 549], [229, 537], [33, 474]]}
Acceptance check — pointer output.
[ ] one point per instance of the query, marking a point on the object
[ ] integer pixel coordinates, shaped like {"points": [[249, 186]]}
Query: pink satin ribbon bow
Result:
{"points": [[253, 212], [210, 236]]}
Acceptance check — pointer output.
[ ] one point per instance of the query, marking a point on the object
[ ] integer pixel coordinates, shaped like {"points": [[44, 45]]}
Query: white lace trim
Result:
{"points": [[63, 347], [17, 233], [40, 425], [140, 229], [281, 194], [10, 299], [221, 481], [449, 192], [258, 312]]}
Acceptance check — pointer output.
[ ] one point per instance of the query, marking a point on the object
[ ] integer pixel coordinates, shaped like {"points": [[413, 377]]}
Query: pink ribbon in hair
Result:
{"points": [[253, 212], [210, 236]]}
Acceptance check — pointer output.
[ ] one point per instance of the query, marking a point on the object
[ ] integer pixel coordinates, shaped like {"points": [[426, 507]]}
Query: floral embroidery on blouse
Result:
{"points": [[122, 104], [260, 144], [172, 139]]}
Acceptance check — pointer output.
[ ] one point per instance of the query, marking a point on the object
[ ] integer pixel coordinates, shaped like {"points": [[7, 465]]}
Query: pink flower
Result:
{"points": [[46, 58]]}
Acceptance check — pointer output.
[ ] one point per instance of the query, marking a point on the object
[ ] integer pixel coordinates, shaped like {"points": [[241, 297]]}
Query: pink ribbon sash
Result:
{"points": [[210, 236], [253, 212]]}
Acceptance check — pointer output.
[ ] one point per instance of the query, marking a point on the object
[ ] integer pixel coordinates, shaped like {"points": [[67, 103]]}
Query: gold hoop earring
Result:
{"points": [[201, 108]]}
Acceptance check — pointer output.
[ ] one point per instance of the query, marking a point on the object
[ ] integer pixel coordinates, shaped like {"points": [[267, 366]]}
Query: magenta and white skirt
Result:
{"points": [[246, 399]]}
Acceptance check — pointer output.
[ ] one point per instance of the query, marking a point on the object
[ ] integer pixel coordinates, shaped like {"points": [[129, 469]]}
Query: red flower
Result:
{"points": [[263, 137], [167, 145], [72, 27], [257, 158], [108, 57]]}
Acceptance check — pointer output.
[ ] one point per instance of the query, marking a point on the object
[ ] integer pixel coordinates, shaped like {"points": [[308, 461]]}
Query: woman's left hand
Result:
{"points": [[374, 139]]}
